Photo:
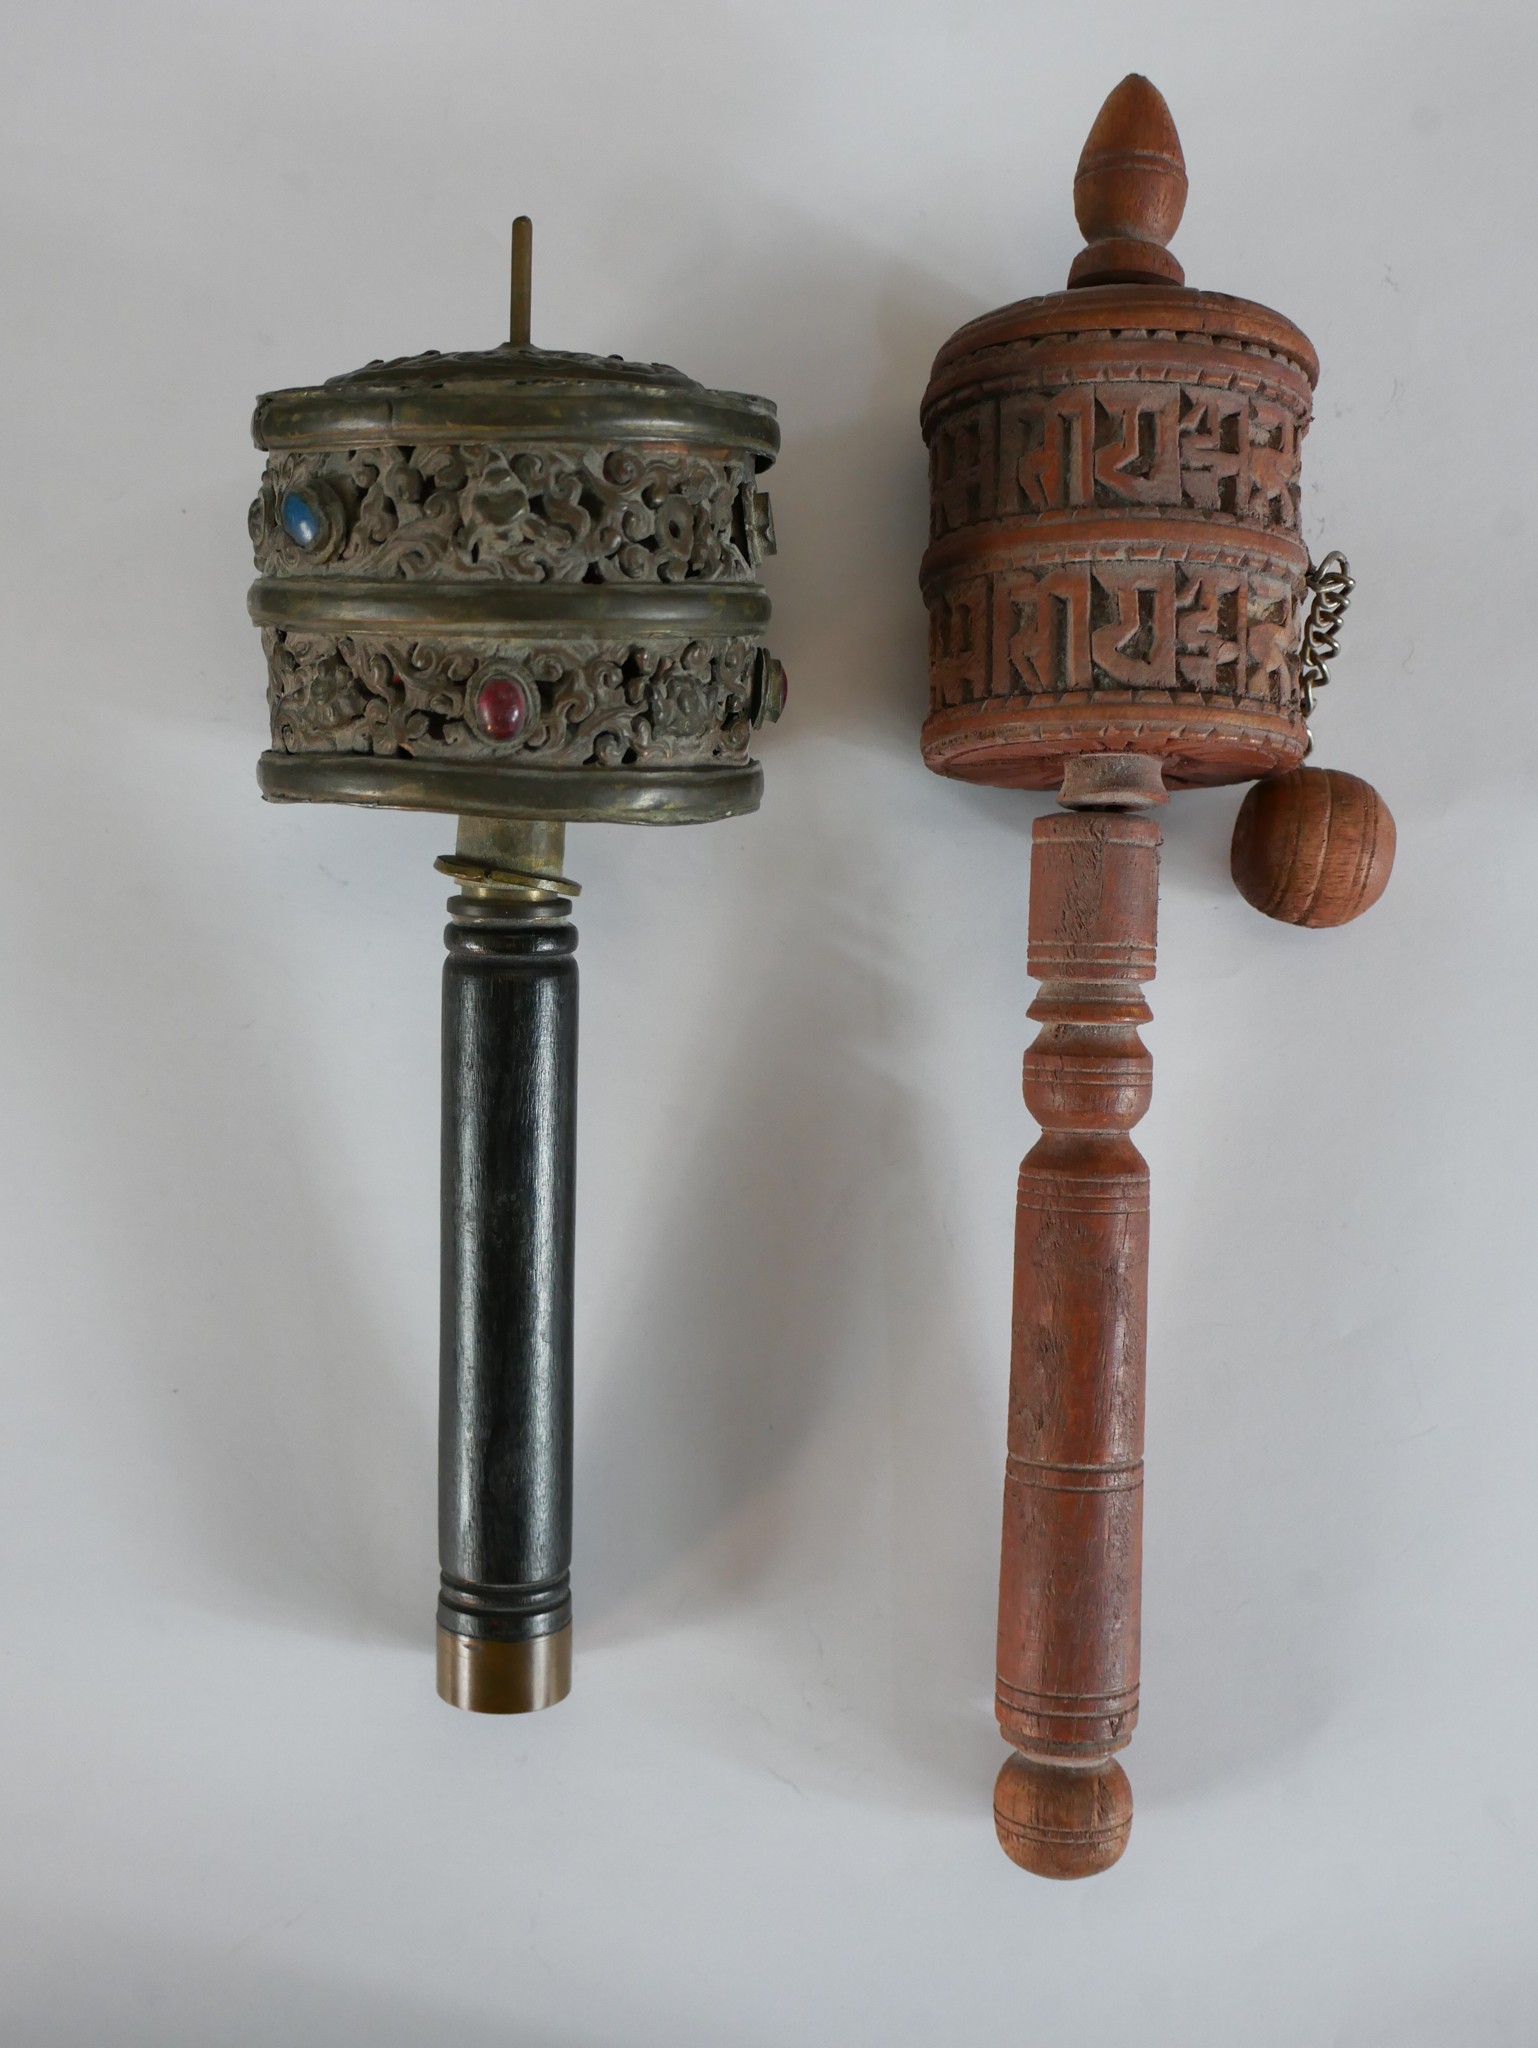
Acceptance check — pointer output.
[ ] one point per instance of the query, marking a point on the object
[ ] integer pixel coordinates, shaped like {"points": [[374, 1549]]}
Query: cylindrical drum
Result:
{"points": [[1114, 558], [516, 583]]}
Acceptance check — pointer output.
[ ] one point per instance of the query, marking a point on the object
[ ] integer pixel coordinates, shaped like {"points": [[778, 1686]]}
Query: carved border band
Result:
{"points": [[552, 513], [1220, 625], [674, 701], [1219, 445]]}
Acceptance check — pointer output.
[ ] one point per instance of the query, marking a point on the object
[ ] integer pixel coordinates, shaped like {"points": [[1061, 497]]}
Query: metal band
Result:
{"points": [[341, 419], [619, 796], [504, 1678], [426, 605]]}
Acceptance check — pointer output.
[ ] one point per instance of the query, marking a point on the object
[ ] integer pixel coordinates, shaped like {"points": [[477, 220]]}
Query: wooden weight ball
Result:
{"points": [[1314, 847]]}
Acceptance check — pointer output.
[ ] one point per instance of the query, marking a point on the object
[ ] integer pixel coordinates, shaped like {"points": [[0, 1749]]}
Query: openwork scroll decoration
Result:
{"points": [[562, 514], [673, 701]]}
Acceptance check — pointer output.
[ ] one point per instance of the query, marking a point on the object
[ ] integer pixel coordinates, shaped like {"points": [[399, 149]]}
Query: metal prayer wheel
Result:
{"points": [[518, 586], [1121, 604]]}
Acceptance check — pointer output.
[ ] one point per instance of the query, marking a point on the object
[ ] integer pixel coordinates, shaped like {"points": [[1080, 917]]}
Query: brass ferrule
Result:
{"points": [[504, 1678]]}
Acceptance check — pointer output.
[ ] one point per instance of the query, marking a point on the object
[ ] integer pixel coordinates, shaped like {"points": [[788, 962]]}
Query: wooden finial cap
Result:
{"points": [[1059, 1820], [1130, 191]]}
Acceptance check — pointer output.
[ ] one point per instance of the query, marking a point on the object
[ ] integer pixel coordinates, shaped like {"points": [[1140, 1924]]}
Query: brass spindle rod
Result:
{"points": [[523, 266]]}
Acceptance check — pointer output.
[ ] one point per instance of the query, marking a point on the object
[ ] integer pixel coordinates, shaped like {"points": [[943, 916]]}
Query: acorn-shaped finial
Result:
{"points": [[1130, 190]]}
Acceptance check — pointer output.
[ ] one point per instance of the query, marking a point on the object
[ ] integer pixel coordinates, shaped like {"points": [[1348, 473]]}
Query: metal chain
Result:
{"points": [[1332, 585]]}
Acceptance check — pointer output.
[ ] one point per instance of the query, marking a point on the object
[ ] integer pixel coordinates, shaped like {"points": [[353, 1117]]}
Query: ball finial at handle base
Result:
{"points": [[1060, 1820]]}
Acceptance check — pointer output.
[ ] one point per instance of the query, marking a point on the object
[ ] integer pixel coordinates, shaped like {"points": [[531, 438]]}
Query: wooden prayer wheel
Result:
{"points": [[519, 586], [1116, 585], [1114, 558]]}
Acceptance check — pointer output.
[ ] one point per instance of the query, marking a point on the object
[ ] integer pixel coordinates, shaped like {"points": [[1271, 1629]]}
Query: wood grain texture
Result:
{"points": [[1315, 847], [1071, 1558]]}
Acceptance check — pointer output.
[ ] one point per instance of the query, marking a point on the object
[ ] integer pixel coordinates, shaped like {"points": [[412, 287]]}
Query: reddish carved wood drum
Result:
{"points": [[1115, 559]]}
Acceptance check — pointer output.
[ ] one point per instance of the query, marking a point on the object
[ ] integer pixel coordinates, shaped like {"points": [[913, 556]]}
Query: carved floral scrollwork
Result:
{"points": [[678, 702], [532, 514]]}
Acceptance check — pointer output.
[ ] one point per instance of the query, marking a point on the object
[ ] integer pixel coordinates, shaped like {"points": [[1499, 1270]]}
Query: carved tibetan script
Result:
{"points": [[1160, 627], [1209, 447]]}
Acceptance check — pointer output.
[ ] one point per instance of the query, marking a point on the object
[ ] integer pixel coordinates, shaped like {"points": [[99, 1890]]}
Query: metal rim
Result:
{"points": [[318, 418], [617, 796], [591, 611]]}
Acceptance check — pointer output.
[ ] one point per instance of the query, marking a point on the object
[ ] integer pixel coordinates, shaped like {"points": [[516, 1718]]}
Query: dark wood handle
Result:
{"points": [[505, 1406], [1069, 1589]]}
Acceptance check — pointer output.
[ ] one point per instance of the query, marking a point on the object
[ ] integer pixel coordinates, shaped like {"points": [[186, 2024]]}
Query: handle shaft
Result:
{"points": [[505, 1408], [1070, 1578]]}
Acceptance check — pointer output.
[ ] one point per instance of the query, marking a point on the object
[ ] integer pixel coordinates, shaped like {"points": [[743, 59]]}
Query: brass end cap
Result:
{"points": [[504, 1678]]}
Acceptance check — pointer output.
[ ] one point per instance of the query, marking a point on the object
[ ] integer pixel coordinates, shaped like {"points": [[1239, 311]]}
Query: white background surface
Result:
{"points": [[231, 1808]]}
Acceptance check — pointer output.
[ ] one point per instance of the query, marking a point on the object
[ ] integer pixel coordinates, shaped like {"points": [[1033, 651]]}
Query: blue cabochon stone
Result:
{"points": [[301, 519]]}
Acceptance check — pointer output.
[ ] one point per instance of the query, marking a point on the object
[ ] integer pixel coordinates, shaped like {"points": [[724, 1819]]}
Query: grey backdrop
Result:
{"points": [[231, 1808]]}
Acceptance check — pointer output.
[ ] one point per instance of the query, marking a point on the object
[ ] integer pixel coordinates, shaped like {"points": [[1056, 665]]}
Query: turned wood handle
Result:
{"points": [[1069, 1589]]}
